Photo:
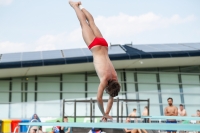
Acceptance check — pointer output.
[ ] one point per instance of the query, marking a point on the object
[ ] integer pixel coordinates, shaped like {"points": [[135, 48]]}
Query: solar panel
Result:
{"points": [[116, 49], [87, 52], [163, 47], [180, 47], [146, 48], [12, 57], [27, 56], [52, 54], [73, 53], [193, 45]]}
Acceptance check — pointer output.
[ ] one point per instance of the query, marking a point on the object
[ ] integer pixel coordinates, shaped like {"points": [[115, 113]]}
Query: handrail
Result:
{"points": [[16, 128], [29, 125], [92, 101]]}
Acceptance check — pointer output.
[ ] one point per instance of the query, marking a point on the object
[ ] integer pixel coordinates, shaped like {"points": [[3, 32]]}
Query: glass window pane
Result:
{"points": [[16, 88], [4, 111], [146, 78], [16, 110], [31, 89], [190, 79], [190, 69], [191, 98], [48, 108], [50, 85], [169, 78], [4, 96], [93, 83], [29, 109], [130, 86], [73, 84], [191, 89], [148, 91]]}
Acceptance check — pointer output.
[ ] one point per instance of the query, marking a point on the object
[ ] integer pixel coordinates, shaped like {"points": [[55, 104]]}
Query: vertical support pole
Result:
{"points": [[148, 109], [117, 109], [94, 118], [74, 110], [63, 112], [121, 112], [91, 110]]}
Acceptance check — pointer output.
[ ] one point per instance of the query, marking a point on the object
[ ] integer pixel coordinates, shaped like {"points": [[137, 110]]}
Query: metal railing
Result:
{"points": [[91, 101]]}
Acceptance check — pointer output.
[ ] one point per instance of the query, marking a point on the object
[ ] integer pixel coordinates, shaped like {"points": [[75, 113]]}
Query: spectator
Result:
{"points": [[171, 110], [182, 111], [35, 117], [197, 114], [145, 113], [132, 114], [66, 129], [133, 130], [57, 129], [40, 129], [130, 130]]}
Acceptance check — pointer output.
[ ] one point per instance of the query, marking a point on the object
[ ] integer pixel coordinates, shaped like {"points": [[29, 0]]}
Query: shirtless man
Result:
{"points": [[182, 111], [133, 130], [145, 113], [171, 111], [103, 66], [133, 114]]}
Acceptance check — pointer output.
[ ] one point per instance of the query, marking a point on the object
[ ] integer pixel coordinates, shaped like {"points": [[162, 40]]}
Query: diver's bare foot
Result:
{"points": [[73, 4]]}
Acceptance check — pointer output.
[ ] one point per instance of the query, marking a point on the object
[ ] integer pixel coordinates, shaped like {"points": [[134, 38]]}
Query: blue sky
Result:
{"points": [[34, 25]]}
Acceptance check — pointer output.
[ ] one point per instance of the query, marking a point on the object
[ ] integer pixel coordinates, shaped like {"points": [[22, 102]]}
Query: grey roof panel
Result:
{"points": [[145, 48], [73, 53], [163, 47], [28, 56], [193, 45], [180, 47], [54, 54], [87, 52], [116, 49], [11, 57]]}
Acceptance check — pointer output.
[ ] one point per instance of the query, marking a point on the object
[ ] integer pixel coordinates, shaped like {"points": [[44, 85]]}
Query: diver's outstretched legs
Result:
{"points": [[87, 32]]}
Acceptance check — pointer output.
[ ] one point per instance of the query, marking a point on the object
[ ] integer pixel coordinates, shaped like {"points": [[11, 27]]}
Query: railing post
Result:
{"points": [[74, 110], [63, 113], [148, 110], [122, 112], [91, 110], [117, 109]]}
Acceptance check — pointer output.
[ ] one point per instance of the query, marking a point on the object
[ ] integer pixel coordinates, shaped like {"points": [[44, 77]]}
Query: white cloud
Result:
{"points": [[115, 28], [11, 47], [126, 25], [5, 2]]}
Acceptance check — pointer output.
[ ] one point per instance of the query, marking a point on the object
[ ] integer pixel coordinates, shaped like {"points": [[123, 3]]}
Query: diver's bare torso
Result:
{"points": [[102, 63]]}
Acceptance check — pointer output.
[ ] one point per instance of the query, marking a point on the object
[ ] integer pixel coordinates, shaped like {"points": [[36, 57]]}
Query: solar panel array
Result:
{"points": [[54, 54], [168, 47]]}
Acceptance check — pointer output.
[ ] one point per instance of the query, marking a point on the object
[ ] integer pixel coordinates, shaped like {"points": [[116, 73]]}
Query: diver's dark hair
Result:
{"points": [[113, 88]]}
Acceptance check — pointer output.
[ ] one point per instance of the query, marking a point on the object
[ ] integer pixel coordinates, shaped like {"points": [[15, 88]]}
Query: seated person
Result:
{"points": [[130, 130]]}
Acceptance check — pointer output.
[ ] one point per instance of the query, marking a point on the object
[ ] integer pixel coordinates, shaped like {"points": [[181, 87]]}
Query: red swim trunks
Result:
{"points": [[98, 41]]}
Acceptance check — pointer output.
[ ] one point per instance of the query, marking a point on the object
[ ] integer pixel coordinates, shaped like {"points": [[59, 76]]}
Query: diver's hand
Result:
{"points": [[106, 116]]}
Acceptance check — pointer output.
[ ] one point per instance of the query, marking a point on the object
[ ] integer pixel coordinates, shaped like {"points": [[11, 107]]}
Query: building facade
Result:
{"points": [[33, 87]]}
